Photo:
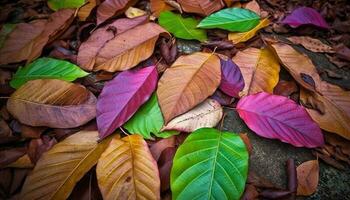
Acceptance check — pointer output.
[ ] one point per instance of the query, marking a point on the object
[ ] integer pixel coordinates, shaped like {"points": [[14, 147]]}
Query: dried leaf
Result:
{"points": [[133, 174], [9, 156], [132, 12], [189, 81], [308, 175], [260, 70], [110, 8], [158, 6], [53, 103], [85, 10], [202, 7], [207, 114], [285, 88], [245, 36], [57, 171], [311, 44], [253, 6]]}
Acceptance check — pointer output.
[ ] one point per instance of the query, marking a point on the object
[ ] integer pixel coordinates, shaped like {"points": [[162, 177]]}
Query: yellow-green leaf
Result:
{"points": [[245, 36]]}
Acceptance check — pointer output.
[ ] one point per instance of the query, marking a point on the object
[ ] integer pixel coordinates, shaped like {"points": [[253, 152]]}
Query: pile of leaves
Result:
{"points": [[121, 99]]}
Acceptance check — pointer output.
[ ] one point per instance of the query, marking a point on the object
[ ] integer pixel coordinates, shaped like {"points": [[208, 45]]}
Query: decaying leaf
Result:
{"points": [[53, 103], [202, 7], [189, 81], [311, 44], [127, 170], [245, 36], [308, 174], [207, 114], [128, 49], [59, 169], [132, 12], [260, 70]]}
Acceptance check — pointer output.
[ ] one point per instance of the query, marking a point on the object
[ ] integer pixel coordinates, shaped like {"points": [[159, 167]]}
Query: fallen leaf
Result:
{"points": [[343, 52], [245, 36], [122, 96], [311, 44], [39, 146], [85, 10], [128, 49], [158, 6], [188, 82], [274, 193], [5, 30], [253, 6], [22, 162], [11, 155], [248, 144], [202, 7], [308, 175], [231, 78], [184, 28], [285, 88], [132, 172], [292, 183], [87, 188], [222, 98], [330, 161], [57, 171], [250, 193], [53, 103], [231, 19], [305, 16], [46, 68], [260, 70], [110, 8], [132, 12], [89, 49], [207, 114], [278, 117], [31, 131], [158, 147], [206, 156], [165, 163], [59, 4]]}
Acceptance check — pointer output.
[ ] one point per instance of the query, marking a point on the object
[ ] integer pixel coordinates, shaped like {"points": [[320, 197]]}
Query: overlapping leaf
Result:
{"points": [[59, 4], [202, 7], [209, 165], [260, 70], [231, 19], [206, 114], [311, 44], [278, 117], [53, 103], [59, 169], [245, 36], [148, 119], [5, 30], [109, 8], [231, 78], [308, 175], [86, 9], [305, 16], [127, 170], [122, 97], [158, 6], [47, 68], [184, 28], [189, 81]]}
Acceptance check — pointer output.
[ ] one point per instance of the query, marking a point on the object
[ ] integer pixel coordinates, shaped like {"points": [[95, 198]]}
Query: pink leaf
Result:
{"points": [[303, 16], [122, 96], [231, 78], [278, 117]]}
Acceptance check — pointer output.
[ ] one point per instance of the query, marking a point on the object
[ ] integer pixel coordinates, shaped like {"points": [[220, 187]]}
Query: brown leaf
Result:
{"points": [[248, 144], [11, 155], [110, 8], [87, 188], [311, 44], [158, 6], [158, 147], [308, 174], [292, 177], [31, 132], [253, 6], [165, 163], [343, 52], [128, 49], [89, 49], [274, 194], [22, 162], [285, 88], [53, 103], [39, 146], [86, 9], [329, 160], [338, 141], [188, 82], [202, 7], [5, 130], [219, 44], [250, 193]]}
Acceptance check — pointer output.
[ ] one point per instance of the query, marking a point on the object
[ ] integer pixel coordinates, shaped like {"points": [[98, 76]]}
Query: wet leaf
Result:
{"points": [[46, 68], [278, 117], [133, 173], [305, 16], [122, 97], [185, 28], [176, 93], [231, 19], [53, 103], [308, 175]]}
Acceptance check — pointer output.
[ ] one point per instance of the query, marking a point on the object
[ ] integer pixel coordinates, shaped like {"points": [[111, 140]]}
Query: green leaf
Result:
{"points": [[5, 30], [185, 28], [148, 119], [209, 165], [231, 19], [47, 68], [59, 4]]}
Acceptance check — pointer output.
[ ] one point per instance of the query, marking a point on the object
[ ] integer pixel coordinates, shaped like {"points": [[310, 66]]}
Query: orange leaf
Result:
{"points": [[86, 9], [311, 44], [189, 81], [308, 175], [158, 6]]}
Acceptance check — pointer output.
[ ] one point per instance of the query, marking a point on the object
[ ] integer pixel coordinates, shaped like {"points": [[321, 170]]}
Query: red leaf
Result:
{"points": [[122, 96], [304, 16], [231, 78], [278, 117]]}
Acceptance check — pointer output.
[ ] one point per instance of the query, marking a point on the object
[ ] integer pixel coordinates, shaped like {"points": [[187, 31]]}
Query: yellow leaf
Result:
{"points": [[260, 70], [242, 37], [132, 12], [60, 168], [127, 170], [86, 9]]}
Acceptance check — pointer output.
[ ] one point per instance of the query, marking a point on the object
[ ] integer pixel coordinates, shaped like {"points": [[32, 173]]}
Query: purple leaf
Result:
{"points": [[122, 96], [231, 78], [278, 117], [303, 16]]}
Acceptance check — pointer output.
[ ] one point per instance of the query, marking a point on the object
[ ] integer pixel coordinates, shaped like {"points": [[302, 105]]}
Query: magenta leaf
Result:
{"points": [[122, 96], [278, 117], [304, 16], [231, 78]]}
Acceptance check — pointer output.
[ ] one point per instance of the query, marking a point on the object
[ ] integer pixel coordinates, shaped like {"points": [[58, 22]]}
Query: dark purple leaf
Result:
{"points": [[278, 117], [122, 96], [231, 78], [304, 16]]}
